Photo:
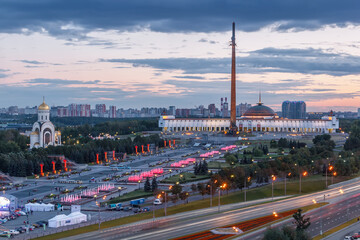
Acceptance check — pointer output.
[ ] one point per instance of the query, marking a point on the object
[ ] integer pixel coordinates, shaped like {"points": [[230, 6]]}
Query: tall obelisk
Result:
{"points": [[233, 127]]}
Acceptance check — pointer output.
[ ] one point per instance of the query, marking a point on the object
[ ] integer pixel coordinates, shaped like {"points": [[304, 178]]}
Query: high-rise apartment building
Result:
{"points": [[83, 110], [242, 108], [112, 111], [100, 110], [172, 110], [294, 109]]}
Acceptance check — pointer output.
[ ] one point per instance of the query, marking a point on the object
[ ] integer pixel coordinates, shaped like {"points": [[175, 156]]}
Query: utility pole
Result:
{"points": [[245, 189], [219, 201]]}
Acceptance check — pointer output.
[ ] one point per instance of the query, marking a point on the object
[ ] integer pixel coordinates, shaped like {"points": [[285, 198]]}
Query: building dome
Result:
{"points": [[259, 111], [44, 106]]}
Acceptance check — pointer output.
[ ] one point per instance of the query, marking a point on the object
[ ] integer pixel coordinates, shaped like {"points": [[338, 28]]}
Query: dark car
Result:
{"points": [[42, 223], [127, 209], [21, 229], [146, 209], [137, 210]]}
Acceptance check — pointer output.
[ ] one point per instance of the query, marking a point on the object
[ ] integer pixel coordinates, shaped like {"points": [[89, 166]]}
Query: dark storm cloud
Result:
{"points": [[56, 82], [172, 16], [306, 61]]}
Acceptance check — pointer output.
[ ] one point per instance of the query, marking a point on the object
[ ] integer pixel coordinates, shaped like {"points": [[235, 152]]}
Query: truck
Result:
{"points": [[115, 206], [137, 201]]}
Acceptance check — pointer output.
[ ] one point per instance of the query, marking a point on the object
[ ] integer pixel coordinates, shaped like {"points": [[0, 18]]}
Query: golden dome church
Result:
{"points": [[43, 131]]}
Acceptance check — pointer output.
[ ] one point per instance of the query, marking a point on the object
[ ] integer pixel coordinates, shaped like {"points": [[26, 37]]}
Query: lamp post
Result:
{"points": [[119, 188], [210, 186], [246, 180], [321, 223], [332, 177], [272, 187], [222, 186], [289, 174], [304, 174], [165, 201], [139, 183]]}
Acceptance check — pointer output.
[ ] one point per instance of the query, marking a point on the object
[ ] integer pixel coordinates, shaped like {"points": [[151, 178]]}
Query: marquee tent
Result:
{"points": [[37, 207]]}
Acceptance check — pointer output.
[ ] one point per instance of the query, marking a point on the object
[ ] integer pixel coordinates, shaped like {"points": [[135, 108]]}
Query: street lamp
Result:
{"points": [[222, 186], [119, 188], [246, 180], [289, 174], [330, 169], [272, 187], [303, 174], [332, 177], [210, 186], [139, 184]]}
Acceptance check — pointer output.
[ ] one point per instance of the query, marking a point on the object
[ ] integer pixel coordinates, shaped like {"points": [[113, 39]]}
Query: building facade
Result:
{"points": [[258, 118], [43, 131], [294, 109]]}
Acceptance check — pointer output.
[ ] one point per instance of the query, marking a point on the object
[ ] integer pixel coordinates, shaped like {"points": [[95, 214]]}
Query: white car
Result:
{"points": [[157, 202], [22, 213], [348, 238], [12, 232]]}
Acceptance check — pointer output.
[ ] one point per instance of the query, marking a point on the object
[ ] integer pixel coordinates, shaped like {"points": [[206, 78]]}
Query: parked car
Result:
{"points": [[36, 225], [348, 238], [21, 213], [21, 229], [31, 228], [157, 201], [12, 232]]}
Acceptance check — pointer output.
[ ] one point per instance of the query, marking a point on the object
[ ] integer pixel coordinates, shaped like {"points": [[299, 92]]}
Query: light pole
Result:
{"points": [[272, 187], [321, 223], [119, 188], [246, 179], [332, 177], [210, 186], [222, 186], [304, 174], [165, 202], [286, 175]]}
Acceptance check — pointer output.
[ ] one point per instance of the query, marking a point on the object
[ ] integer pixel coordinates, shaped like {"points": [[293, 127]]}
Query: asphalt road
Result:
{"points": [[324, 218], [201, 220], [348, 231]]}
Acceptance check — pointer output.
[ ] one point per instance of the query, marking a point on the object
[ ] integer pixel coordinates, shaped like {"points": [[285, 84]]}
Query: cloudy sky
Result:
{"points": [[160, 53]]}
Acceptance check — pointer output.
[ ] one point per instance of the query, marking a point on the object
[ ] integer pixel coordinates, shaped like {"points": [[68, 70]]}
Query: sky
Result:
{"points": [[159, 53]]}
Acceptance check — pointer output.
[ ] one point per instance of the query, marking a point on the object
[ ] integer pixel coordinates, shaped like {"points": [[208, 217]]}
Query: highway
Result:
{"points": [[201, 220]]}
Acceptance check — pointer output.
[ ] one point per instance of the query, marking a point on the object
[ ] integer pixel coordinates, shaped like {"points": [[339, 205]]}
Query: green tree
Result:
{"points": [[301, 222], [176, 189], [231, 159], [154, 184], [147, 186]]}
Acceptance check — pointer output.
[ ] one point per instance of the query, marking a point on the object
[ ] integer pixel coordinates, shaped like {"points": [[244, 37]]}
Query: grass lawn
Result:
{"points": [[139, 193], [186, 177], [309, 184]]}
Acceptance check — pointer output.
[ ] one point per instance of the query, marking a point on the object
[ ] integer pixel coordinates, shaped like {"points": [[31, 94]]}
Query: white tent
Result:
{"points": [[57, 221], [75, 218], [63, 220], [37, 207]]}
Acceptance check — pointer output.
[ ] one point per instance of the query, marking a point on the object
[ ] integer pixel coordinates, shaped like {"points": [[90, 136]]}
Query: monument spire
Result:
{"points": [[233, 127]]}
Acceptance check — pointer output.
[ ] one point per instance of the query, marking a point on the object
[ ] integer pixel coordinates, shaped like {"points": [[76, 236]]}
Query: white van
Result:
{"points": [[157, 202]]}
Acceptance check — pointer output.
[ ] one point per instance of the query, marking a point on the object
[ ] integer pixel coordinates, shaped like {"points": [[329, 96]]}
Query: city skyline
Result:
{"points": [[179, 53]]}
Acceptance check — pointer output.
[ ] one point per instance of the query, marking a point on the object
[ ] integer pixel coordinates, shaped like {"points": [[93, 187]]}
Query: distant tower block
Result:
{"points": [[233, 127]]}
